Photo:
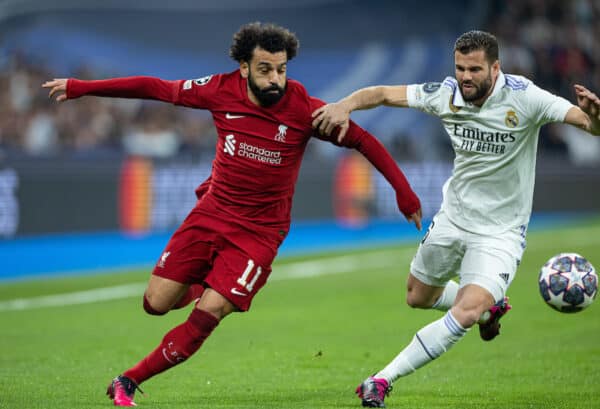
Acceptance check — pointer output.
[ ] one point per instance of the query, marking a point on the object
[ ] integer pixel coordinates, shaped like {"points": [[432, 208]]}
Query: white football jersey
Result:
{"points": [[491, 187]]}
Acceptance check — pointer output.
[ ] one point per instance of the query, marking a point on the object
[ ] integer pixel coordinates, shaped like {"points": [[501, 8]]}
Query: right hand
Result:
{"points": [[330, 116], [57, 86]]}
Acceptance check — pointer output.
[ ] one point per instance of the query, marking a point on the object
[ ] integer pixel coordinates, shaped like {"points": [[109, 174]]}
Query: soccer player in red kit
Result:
{"points": [[227, 243]]}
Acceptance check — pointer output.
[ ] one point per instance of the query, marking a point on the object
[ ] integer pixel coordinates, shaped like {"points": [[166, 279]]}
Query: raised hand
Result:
{"points": [[588, 101], [58, 87]]}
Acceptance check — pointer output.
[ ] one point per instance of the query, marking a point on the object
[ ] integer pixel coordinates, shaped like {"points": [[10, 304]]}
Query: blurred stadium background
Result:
{"points": [[99, 183]]}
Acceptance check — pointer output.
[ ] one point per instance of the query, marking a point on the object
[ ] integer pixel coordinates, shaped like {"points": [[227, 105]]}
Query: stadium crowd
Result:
{"points": [[549, 41], [554, 43], [30, 125]]}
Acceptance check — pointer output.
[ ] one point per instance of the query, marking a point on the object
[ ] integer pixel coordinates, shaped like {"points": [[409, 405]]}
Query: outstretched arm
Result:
{"points": [[330, 116], [587, 114], [128, 87]]}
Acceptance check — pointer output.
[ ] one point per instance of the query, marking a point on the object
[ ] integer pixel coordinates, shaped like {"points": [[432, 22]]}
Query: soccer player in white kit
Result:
{"points": [[493, 120]]}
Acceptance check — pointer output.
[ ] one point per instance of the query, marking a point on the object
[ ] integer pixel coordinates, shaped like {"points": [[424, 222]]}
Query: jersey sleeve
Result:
{"points": [[198, 93], [426, 97], [375, 152], [125, 87], [545, 107]]}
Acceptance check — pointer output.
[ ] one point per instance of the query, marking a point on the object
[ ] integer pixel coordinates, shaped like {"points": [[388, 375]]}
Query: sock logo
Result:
{"points": [[172, 355]]}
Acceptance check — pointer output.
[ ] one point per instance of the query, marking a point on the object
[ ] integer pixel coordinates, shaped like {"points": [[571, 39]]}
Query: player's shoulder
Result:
{"points": [[450, 83], [434, 87], [296, 88], [297, 96], [214, 80], [516, 83]]}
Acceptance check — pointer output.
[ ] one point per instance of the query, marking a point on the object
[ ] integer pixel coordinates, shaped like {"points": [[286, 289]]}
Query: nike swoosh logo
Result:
{"points": [[229, 116], [236, 292]]}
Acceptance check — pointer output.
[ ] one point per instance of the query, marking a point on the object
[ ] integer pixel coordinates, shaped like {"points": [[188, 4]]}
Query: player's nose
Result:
{"points": [[275, 78]]}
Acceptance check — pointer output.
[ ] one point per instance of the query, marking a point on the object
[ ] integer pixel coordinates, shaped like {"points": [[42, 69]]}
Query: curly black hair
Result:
{"points": [[269, 37], [476, 40]]}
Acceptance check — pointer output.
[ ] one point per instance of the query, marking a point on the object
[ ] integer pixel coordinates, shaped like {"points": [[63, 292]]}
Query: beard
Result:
{"points": [[266, 96], [480, 90]]}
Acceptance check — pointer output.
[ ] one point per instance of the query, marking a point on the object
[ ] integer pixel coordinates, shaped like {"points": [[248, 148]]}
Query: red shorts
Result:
{"points": [[231, 259]]}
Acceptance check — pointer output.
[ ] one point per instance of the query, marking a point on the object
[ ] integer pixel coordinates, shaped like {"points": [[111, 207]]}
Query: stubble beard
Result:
{"points": [[481, 90]]}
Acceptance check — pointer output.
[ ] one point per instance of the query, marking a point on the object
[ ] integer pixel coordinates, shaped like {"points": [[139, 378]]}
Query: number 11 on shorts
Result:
{"points": [[243, 280]]}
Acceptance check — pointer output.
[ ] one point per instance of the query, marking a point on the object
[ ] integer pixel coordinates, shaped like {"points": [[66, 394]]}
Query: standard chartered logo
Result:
{"points": [[252, 152], [230, 144], [259, 154]]}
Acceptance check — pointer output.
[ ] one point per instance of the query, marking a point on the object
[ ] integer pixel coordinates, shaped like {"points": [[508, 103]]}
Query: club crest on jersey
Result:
{"points": [[280, 137], [511, 120], [163, 259]]}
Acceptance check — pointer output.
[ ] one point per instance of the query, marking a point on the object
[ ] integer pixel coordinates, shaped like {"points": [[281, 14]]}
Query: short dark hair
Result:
{"points": [[476, 40], [269, 37]]}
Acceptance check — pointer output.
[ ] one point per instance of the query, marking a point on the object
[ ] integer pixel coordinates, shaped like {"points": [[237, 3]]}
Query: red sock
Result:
{"points": [[195, 291], [177, 345]]}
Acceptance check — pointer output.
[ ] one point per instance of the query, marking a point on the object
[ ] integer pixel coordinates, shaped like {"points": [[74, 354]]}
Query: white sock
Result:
{"points": [[447, 298], [428, 343]]}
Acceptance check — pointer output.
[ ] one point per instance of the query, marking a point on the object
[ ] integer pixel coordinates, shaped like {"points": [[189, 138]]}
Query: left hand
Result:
{"points": [[416, 219], [330, 116], [588, 102]]}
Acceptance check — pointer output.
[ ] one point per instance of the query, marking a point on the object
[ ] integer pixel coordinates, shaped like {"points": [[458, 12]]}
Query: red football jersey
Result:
{"points": [[259, 149]]}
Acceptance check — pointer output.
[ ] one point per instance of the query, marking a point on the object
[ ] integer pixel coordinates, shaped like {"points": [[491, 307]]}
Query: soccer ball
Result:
{"points": [[568, 282]]}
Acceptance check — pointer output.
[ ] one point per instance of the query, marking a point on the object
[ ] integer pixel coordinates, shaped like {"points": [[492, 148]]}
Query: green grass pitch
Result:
{"points": [[308, 342]]}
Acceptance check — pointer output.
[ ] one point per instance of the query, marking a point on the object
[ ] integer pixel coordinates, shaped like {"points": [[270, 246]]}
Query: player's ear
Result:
{"points": [[496, 67], [244, 69]]}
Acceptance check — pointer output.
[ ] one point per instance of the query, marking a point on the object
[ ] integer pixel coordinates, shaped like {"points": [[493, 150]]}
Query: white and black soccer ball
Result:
{"points": [[568, 282]]}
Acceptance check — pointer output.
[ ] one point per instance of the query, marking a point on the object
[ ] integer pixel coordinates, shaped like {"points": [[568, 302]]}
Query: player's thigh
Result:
{"points": [[186, 260], [238, 275], [491, 262], [189, 254], [439, 255]]}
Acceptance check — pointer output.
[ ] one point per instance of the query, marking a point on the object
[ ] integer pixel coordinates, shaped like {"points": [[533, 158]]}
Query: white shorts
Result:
{"points": [[448, 251]]}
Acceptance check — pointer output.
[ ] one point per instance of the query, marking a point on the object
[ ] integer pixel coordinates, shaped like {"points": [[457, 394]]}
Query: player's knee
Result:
{"points": [[416, 300], [151, 309], [215, 304]]}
